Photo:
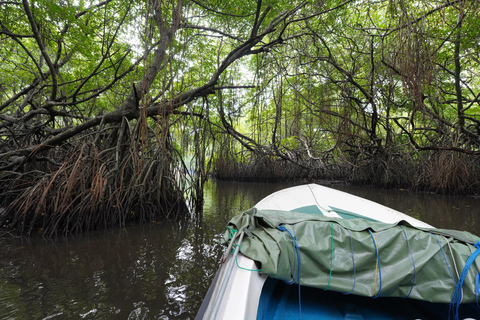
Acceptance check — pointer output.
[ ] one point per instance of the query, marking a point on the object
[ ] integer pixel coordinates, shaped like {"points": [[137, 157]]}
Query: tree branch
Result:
{"points": [[41, 45], [191, 26]]}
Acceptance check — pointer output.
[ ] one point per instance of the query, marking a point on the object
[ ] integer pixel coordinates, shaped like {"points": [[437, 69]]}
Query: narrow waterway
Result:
{"points": [[161, 270]]}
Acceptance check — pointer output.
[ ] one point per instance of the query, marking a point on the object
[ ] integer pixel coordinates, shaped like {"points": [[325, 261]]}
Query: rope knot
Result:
{"points": [[457, 294]]}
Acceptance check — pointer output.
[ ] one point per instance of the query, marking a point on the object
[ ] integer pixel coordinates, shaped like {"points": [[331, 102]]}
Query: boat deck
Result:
{"points": [[280, 301]]}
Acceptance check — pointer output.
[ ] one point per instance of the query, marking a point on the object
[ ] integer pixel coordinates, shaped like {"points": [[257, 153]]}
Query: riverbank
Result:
{"points": [[437, 172]]}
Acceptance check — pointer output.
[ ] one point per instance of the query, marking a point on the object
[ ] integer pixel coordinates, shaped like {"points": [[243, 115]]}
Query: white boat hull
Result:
{"points": [[243, 287]]}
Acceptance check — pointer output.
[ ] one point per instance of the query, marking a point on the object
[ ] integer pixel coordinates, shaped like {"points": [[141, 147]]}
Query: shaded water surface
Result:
{"points": [[161, 270]]}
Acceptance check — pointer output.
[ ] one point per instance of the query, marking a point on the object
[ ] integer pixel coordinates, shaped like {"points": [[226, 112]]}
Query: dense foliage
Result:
{"points": [[114, 111]]}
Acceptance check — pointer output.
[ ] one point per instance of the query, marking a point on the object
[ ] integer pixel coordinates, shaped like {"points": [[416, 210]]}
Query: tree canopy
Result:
{"points": [[107, 108]]}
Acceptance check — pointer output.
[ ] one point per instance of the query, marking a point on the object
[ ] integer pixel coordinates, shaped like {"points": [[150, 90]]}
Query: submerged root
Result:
{"points": [[94, 188], [450, 172], [441, 171]]}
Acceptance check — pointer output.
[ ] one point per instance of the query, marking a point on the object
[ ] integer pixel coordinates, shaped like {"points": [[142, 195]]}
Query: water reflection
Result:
{"points": [[138, 273], [160, 271]]}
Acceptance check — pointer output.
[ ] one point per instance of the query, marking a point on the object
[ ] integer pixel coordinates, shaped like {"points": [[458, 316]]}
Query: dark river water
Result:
{"points": [[161, 270]]}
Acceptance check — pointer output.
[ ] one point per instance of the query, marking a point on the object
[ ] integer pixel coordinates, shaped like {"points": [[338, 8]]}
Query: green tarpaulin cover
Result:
{"points": [[358, 256]]}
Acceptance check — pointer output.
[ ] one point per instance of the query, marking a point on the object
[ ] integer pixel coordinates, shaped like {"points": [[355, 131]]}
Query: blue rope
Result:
{"points": [[296, 266], [296, 274], [413, 261], [477, 288], [445, 257], [378, 261], [457, 294], [353, 261]]}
